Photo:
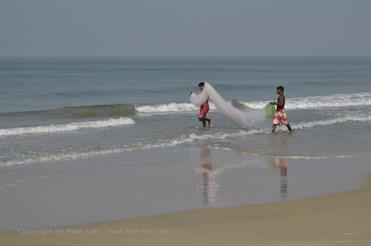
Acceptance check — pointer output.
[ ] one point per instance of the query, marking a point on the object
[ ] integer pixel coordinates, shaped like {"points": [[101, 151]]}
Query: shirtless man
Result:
{"points": [[280, 117], [204, 109]]}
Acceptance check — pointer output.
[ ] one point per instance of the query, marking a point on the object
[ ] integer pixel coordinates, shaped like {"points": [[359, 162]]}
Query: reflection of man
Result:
{"points": [[281, 140], [282, 164], [206, 168]]}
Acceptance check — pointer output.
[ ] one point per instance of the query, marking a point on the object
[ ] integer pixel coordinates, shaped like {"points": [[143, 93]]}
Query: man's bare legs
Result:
{"points": [[206, 122], [275, 126], [289, 127]]}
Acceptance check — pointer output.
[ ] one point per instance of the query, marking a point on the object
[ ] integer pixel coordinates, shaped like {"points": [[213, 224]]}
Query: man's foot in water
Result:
{"points": [[209, 123]]}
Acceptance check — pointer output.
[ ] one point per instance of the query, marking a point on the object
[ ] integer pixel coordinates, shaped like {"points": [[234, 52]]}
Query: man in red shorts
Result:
{"points": [[280, 117], [204, 109]]}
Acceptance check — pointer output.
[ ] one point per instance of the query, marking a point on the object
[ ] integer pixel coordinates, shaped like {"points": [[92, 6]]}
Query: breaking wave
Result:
{"points": [[333, 121], [337, 100], [73, 126], [331, 101], [127, 110], [184, 139], [164, 143]]}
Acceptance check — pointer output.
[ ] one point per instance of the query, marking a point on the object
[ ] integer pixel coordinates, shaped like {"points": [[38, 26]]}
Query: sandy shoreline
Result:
{"points": [[336, 219]]}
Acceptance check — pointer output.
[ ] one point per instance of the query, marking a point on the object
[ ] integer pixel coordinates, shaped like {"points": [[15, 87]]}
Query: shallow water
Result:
{"points": [[118, 136], [158, 181], [71, 108]]}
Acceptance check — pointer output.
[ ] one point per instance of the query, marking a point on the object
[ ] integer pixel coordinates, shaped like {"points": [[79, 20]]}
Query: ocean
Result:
{"points": [[95, 139], [55, 109]]}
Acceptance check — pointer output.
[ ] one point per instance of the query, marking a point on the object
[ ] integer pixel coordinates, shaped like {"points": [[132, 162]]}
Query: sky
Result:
{"points": [[185, 27]]}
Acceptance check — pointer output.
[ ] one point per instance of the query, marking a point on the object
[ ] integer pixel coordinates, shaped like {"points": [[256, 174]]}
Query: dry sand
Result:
{"points": [[336, 219]]}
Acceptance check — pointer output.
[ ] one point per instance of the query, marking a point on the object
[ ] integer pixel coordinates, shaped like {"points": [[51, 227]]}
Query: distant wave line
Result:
{"points": [[184, 139], [73, 126]]}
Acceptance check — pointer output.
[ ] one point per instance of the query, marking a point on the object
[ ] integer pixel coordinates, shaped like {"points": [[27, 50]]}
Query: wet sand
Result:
{"points": [[335, 219], [140, 184]]}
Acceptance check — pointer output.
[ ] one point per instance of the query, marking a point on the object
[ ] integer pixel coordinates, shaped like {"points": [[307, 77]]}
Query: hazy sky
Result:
{"points": [[184, 27]]}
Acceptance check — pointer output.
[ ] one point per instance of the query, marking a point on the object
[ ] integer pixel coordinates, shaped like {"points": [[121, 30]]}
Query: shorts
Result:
{"points": [[203, 111], [280, 117]]}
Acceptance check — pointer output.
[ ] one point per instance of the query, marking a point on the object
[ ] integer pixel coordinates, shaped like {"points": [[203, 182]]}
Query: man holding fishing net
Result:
{"points": [[245, 117], [204, 108]]}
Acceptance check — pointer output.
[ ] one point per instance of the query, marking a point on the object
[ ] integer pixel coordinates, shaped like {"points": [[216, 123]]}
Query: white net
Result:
{"points": [[242, 117]]}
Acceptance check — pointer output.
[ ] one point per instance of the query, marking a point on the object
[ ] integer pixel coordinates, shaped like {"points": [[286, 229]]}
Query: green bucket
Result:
{"points": [[269, 110]]}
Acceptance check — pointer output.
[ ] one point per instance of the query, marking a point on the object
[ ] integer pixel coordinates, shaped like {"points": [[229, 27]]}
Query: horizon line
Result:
{"points": [[170, 56]]}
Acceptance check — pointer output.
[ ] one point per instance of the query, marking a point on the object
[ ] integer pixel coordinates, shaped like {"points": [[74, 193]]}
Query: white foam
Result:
{"points": [[73, 126], [168, 108], [328, 122], [184, 139], [337, 100], [59, 157], [330, 101], [303, 157]]}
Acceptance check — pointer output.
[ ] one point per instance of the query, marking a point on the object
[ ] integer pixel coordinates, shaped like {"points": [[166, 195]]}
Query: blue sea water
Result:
{"points": [[54, 109], [95, 139]]}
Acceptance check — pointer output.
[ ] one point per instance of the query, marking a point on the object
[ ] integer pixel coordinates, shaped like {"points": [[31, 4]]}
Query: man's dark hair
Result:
{"points": [[201, 84], [280, 88]]}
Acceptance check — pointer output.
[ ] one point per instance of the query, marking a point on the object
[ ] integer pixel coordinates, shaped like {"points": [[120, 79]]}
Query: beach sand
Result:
{"points": [[335, 219]]}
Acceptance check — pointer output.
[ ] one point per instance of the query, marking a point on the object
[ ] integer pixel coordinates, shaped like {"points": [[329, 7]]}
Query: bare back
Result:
{"points": [[281, 102]]}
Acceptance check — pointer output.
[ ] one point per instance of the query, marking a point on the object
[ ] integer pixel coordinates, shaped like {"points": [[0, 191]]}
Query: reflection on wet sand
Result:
{"points": [[210, 173], [282, 164], [206, 169], [280, 140]]}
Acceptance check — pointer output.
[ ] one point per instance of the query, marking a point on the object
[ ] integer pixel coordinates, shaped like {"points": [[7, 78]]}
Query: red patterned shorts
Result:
{"points": [[204, 109], [280, 117]]}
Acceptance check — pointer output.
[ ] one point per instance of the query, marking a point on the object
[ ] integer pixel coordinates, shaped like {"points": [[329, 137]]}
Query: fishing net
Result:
{"points": [[243, 117]]}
